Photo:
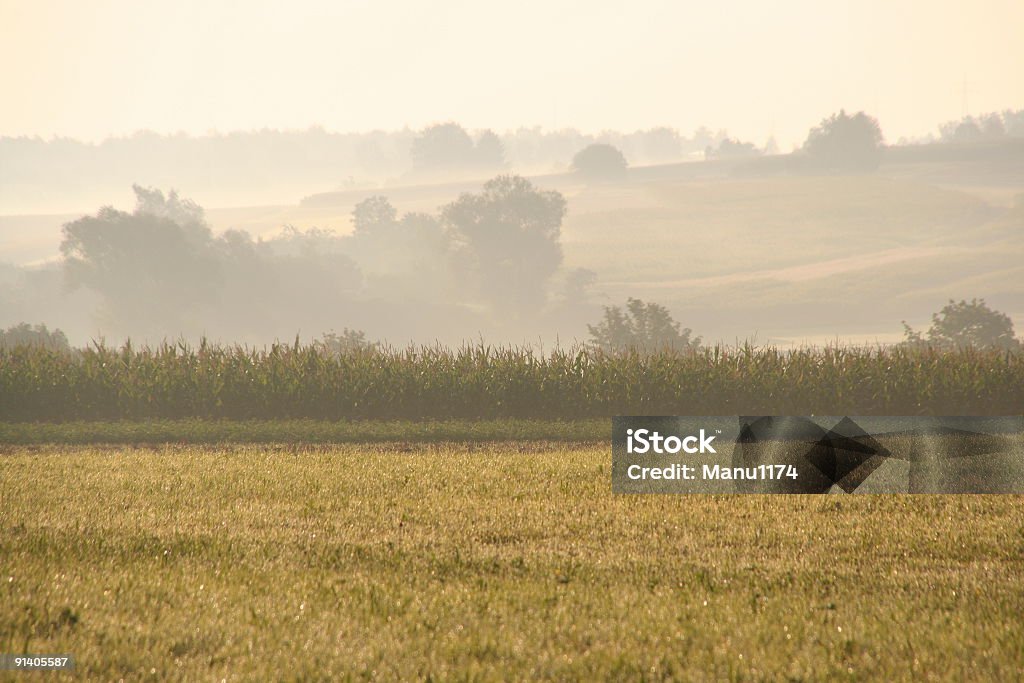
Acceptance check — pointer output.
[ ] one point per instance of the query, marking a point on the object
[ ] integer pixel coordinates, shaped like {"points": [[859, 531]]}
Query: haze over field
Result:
{"points": [[112, 67], [284, 122]]}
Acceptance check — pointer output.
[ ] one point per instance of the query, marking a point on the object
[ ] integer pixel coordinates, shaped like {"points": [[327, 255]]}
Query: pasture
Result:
{"points": [[477, 561]]}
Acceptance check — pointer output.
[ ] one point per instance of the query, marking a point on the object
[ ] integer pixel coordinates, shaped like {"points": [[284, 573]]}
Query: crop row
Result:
{"points": [[293, 381]]}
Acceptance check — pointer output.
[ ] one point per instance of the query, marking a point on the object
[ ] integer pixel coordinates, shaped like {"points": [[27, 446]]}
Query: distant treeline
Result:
{"points": [[481, 382], [486, 263], [268, 166]]}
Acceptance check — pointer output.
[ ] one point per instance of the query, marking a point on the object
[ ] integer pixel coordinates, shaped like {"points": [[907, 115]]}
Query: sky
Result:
{"points": [[93, 69]]}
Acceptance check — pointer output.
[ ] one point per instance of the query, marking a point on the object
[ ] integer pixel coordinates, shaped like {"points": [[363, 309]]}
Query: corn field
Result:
{"points": [[297, 381]]}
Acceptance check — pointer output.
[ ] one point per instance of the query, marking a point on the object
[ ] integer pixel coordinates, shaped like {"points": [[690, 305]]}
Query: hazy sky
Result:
{"points": [[91, 69]]}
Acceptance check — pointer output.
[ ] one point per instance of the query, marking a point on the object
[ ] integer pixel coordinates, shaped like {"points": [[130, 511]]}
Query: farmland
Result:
{"points": [[487, 562], [764, 258], [205, 511], [482, 382]]}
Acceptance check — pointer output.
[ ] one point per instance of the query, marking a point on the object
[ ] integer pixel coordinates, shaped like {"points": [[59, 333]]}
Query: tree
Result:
{"points": [[160, 273], [661, 145], [33, 335], [349, 342], [183, 212], [970, 129], [153, 266], [599, 162], [845, 142], [404, 258], [646, 327], [507, 241], [490, 153], [966, 324], [293, 282], [443, 147], [732, 149], [964, 130], [992, 127], [372, 215], [1013, 121]]}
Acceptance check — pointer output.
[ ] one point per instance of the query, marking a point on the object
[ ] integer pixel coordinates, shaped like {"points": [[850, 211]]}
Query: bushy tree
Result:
{"points": [[153, 266], [405, 258], [372, 215], [992, 127], [966, 324], [507, 241], [348, 342], [490, 152], [732, 149], [965, 130], [660, 145], [295, 281], [161, 273], [844, 142], [1013, 121], [448, 147], [643, 326], [33, 335], [181, 211], [976, 129], [599, 162], [444, 146]]}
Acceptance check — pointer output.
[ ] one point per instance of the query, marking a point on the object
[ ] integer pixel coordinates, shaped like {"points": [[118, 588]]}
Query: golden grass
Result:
{"points": [[487, 562]]}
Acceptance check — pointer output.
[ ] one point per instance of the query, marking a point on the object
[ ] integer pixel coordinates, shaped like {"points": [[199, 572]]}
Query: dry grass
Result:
{"points": [[503, 561]]}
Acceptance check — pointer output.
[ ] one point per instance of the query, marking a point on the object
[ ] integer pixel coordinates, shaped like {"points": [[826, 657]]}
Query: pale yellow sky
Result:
{"points": [[754, 67]]}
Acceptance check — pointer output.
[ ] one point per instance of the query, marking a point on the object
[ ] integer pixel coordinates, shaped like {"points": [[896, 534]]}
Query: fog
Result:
{"points": [[841, 240], [252, 175], [487, 264], [270, 167]]}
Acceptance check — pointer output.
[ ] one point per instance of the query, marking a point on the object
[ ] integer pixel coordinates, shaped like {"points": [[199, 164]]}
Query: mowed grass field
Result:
{"points": [[499, 561]]}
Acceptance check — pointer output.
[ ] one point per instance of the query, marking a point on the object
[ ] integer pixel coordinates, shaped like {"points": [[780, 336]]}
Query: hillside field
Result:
{"points": [[776, 258]]}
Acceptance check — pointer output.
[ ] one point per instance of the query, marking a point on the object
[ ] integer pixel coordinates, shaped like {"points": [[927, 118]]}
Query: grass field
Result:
{"points": [[486, 562]]}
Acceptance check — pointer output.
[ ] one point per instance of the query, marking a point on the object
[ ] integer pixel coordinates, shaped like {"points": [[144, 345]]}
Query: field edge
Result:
{"points": [[303, 431]]}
